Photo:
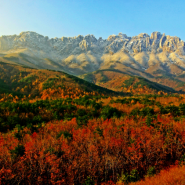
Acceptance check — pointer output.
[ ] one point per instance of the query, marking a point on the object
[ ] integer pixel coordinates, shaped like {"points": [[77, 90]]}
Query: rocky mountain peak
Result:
{"points": [[90, 38], [142, 35], [86, 53], [155, 35]]}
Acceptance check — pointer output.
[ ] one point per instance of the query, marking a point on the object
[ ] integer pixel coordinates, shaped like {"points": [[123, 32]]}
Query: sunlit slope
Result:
{"points": [[25, 58], [121, 81]]}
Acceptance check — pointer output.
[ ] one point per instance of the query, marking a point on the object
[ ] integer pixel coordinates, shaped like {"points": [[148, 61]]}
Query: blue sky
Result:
{"points": [[57, 18]]}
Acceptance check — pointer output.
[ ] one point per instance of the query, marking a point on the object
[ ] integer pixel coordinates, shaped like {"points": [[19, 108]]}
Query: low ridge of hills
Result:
{"points": [[123, 82], [44, 84]]}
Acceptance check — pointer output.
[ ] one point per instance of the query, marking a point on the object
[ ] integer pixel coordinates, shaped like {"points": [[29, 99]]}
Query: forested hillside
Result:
{"points": [[58, 129], [119, 81]]}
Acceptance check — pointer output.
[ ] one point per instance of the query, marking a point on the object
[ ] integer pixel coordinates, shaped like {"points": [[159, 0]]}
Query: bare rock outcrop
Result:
{"points": [[65, 53]]}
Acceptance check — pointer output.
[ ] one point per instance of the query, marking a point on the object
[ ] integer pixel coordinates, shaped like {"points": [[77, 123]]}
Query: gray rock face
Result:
{"points": [[78, 55]]}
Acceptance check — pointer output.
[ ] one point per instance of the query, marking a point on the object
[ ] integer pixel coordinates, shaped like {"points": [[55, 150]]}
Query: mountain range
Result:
{"points": [[157, 57]]}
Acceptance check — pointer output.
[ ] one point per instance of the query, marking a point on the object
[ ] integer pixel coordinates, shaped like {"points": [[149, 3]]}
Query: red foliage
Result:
{"points": [[101, 150]]}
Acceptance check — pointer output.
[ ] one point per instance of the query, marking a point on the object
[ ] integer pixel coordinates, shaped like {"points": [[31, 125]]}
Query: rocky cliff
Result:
{"points": [[83, 54]]}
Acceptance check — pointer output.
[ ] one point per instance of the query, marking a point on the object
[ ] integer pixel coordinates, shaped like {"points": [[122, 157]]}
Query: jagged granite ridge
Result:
{"points": [[82, 54]]}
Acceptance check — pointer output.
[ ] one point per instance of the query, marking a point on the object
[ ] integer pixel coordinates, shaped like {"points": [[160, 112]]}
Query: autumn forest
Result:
{"points": [[56, 128]]}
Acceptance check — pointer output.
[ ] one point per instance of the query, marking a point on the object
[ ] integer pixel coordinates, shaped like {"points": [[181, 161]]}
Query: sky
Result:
{"points": [[58, 18]]}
